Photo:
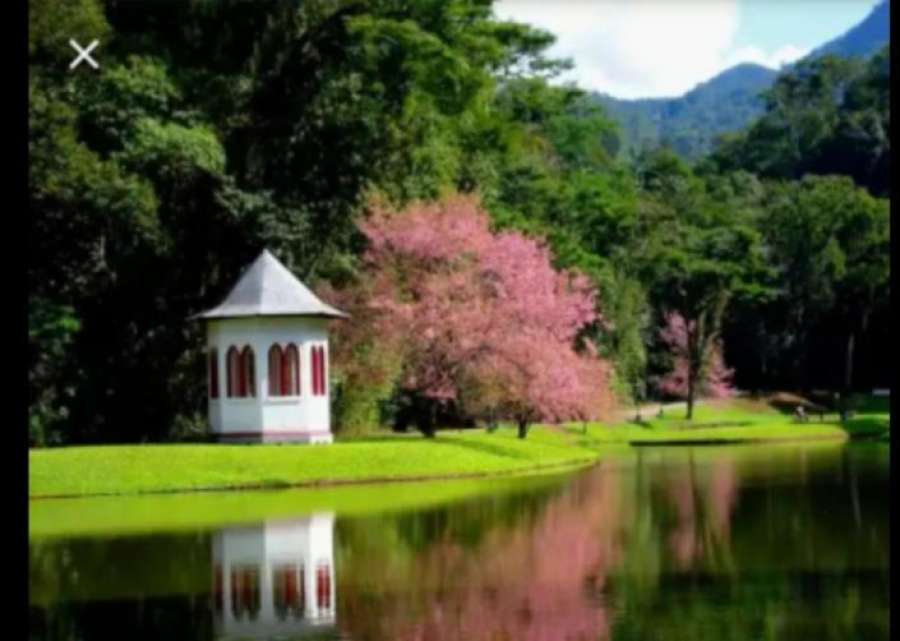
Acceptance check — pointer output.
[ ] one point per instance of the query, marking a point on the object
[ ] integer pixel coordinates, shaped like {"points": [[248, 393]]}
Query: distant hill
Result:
{"points": [[690, 123], [862, 40], [727, 102]]}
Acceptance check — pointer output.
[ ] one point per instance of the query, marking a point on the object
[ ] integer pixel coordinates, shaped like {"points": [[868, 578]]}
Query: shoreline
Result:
{"points": [[166, 469]]}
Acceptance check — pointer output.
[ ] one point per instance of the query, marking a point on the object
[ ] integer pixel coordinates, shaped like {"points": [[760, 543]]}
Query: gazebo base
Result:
{"points": [[273, 437]]}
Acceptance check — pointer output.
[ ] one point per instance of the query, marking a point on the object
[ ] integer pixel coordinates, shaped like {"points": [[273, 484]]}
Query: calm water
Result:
{"points": [[744, 542]]}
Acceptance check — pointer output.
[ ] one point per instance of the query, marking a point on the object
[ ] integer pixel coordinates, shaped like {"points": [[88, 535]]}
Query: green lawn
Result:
{"points": [[136, 469], [128, 469], [740, 420]]}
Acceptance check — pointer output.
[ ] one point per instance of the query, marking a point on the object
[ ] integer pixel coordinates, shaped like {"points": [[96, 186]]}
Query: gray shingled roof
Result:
{"points": [[268, 288]]}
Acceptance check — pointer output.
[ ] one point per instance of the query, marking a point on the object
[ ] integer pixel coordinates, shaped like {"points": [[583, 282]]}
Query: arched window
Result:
{"points": [[318, 371], [248, 372], [284, 371], [290, 371], [213, 363], [314, 366], [233, 371], [276, 364]]}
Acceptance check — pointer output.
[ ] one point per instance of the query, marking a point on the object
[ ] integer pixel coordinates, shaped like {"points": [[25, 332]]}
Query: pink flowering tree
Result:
{"points": [[715, 380], [478, 318]]}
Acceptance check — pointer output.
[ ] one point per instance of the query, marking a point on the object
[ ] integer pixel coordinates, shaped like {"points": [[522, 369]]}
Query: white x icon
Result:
{"points": [[84, 54]]}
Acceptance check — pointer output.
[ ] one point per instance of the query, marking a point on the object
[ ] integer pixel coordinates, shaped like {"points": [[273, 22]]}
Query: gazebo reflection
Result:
{"points": [[274, 579]]}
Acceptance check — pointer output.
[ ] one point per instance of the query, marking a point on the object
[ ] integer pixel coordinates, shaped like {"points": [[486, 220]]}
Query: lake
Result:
{"points": [[754, 542]]}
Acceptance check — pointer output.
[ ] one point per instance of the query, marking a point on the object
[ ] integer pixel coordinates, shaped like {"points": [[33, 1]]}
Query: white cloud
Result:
{"points": [[643, 48]]}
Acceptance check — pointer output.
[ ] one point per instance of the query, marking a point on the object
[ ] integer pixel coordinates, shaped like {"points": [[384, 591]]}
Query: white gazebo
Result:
{"points": [[268, 359]]}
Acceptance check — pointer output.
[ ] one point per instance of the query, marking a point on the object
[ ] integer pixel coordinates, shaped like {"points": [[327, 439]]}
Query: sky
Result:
{"points": [[661, 48]]}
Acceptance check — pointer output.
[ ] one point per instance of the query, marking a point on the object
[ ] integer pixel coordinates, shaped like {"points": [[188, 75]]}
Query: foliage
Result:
{"points": [[826, 116], [830, 239], [482, 320], [715, 377]]}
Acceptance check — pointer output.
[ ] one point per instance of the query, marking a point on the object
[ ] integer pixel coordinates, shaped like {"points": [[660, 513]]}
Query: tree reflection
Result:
{"points": [[529, 581]]}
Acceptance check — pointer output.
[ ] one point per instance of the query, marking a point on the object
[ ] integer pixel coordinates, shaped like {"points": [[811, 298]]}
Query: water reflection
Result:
{"points": [[785, 542], [274, 579]]}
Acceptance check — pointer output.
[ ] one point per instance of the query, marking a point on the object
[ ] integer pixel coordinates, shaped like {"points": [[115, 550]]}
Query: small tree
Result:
{"points": [[714, 378]]}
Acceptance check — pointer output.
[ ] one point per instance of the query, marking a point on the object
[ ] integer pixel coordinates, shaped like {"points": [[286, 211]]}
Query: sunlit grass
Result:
{"points": [[135, 469], [738, 420], [127, 469]]}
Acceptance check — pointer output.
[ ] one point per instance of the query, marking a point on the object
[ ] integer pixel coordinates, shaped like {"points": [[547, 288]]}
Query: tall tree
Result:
{"points": [[829, 240], [705, 251]]}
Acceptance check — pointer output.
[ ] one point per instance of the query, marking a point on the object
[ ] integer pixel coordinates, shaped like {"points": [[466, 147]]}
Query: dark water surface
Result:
{"points": [[742, 542]]}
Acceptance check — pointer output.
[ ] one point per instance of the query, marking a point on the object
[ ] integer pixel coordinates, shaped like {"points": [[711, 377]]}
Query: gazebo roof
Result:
{"points": [[268, 288]]}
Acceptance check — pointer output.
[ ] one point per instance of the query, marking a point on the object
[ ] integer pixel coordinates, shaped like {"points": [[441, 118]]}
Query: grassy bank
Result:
{"points": [[122, 470], [127, 469], [139, 469]]}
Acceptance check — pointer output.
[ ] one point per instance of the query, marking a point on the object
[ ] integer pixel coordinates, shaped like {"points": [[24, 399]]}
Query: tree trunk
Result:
{"points": [[428, 419], [690, 392], [848, 362], [523, 428], [694, 363]]}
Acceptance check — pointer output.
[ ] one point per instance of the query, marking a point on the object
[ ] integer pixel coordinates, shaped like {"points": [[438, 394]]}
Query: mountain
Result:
{"points": [[862, 40], [689, 124], [727, 102]]}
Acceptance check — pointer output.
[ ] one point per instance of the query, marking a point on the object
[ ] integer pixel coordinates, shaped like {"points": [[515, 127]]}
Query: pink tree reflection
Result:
{"points": [[537, 583]]}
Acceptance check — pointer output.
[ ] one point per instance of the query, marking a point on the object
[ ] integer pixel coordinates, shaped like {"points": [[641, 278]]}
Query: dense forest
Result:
{"points": [[214, 129]]}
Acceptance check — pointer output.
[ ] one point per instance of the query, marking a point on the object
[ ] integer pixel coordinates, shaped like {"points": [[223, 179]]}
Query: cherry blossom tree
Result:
{"points": [[715, 378], [480, 318]]}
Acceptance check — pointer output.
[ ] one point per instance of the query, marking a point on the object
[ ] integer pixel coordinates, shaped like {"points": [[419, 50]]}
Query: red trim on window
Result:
{"points": [[314, 370], [318, 367], [323, 377]]}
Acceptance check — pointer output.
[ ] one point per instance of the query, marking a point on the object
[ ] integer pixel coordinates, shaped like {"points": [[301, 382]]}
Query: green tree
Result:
{"points": [[825, 116], [705, 251], [829, 241]]}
